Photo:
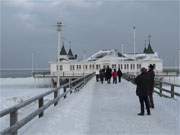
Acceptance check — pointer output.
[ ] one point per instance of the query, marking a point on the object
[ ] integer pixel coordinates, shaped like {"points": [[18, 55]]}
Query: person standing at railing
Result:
{"points": [[151, 75], [142, 92], [114, 75]]}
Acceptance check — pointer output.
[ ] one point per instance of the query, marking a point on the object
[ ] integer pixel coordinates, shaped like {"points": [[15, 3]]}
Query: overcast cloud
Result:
{"points": [[91, 25]]}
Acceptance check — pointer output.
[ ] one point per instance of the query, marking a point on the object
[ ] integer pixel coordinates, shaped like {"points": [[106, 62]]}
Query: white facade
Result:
{"points": [[127, 63]]}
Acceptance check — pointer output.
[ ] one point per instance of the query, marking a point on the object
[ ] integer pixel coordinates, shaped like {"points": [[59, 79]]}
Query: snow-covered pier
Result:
{"points": [[100, 109]]}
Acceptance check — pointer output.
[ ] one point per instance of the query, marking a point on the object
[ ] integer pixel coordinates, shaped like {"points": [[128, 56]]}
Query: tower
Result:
{"points": [[59, 26], [134, 32]]}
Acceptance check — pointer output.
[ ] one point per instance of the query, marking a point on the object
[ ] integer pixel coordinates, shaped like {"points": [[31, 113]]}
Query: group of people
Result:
{"points": [[144, 89], [106, 74]]}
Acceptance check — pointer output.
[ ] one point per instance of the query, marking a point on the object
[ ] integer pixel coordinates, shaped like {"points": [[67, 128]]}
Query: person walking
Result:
{"points": [[119, 73], [114, 75], [151, 76], [101, 75], [97, 75], [108, 74], [142, 92]]}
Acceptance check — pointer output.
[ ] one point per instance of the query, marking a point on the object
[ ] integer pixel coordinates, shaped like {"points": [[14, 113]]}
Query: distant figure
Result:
{"points": [[151, 76], [108, 74], [119, 73], [141, 91], [97, 76], [114, 75], [101, 75]]}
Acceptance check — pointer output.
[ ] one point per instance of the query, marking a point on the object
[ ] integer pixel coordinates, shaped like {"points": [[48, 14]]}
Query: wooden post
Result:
{"points": [[64, 92], [160, 88], [13, 119], [58, 83], [70, 85], [172, 91], [41, 103], [55, 96]]}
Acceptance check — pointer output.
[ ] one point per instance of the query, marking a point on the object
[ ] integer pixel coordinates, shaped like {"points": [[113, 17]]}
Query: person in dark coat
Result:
{"points": [[108, 74], [101, 76], [119, 73], [151, 76], [114, 75], [142, 92]]}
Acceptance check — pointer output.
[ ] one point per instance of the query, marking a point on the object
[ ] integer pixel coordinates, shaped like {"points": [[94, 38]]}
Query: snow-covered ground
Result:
{"points": [[99, 110]]}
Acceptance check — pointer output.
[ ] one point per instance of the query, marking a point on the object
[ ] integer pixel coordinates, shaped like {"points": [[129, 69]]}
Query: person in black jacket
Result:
{"points": [[141, 90], [108, 74], [119, 73], [151, 76]]}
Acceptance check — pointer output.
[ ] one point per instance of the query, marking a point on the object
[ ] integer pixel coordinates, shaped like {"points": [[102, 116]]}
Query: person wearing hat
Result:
{"points": [[141, 91], [151, 76]]}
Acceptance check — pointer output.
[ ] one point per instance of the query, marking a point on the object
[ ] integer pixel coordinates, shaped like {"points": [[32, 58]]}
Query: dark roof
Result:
{"points": [[70, 53], [149, 50], [63, 51], [145, 50]]}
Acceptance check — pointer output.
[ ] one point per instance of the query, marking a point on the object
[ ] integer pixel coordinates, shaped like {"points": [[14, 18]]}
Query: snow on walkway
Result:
{"points": [[107, 109]]}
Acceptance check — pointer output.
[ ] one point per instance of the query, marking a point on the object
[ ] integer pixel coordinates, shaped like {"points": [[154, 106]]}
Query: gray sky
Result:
{"points": [[91, 25]]}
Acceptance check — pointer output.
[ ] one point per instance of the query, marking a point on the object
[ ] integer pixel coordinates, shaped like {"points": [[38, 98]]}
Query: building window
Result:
{"points": [[89, 66], [131, 66], [60, 67], [56, 67], [127, 66], [121, 66], [79, 66], [124, 66]]}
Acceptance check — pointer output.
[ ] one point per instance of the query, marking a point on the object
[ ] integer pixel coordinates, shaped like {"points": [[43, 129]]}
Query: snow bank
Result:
{"points": [[24, 82]]}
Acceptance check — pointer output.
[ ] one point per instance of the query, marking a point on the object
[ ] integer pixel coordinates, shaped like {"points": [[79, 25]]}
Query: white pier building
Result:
{"points": [[67, 63]]}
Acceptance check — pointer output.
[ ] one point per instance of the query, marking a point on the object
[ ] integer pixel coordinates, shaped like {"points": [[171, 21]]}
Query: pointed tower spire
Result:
{"points": [[149, 49], [63, 50]]}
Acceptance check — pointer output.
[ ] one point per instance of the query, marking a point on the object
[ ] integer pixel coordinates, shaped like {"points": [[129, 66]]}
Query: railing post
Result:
{"points": [[41, 103], [70, 85], [172, 91], [55, 96], [83, 79], [160, 88], [64, 92], [13, 120]]}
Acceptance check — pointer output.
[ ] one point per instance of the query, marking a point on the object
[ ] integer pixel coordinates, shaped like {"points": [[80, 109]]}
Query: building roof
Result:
{"points": [[70, 53], [149, 50], [63, 51]]}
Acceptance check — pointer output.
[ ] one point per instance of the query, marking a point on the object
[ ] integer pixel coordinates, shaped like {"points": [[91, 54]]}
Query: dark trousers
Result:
{"points": [[142, 100], [109, 80], [102, 79], [115, 80], [151, 101], [119, 78]]}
